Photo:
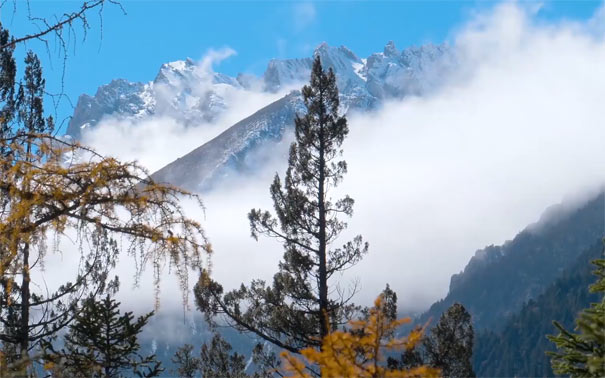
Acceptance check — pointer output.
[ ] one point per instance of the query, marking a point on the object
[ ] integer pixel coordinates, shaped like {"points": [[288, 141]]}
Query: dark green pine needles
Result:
{"points": [[102, 343], [582, 354]]}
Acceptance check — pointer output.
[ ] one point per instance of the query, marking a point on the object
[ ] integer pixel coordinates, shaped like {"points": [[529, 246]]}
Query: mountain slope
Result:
{"points": [[519, 349], [201, 167], [498, 280]]}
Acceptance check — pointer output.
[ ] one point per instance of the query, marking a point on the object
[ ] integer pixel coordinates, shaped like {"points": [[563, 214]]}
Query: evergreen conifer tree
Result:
{"points": [[303, 303], [216, 360], [582, 354], [449, 345], [187, 364], [266, 361], [103, 343]]}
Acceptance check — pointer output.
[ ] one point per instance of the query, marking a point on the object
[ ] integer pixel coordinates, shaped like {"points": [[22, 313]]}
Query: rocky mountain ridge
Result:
{"points": [[193, 94], [192, 87]]}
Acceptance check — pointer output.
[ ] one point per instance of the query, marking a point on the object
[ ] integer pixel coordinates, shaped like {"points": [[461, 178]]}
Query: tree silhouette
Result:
{"points": [[303, 303]]}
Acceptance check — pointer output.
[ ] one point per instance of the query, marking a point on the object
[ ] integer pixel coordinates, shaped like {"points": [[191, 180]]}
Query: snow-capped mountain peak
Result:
{"points": [[194, 94]]}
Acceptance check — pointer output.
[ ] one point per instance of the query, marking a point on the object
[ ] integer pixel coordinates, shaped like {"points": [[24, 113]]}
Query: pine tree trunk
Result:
{"points": [[25, 296], [323, 276], [107, 340], [25, 293]]}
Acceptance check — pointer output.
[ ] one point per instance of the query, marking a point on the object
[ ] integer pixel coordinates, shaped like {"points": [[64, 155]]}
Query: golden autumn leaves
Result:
{"points": [[44, 188], [360, 351]]}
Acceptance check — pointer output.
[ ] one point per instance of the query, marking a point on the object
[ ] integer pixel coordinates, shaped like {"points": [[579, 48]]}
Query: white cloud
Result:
{"points": [[435, 178], [214, 57], [596, 25], [157, 141]]}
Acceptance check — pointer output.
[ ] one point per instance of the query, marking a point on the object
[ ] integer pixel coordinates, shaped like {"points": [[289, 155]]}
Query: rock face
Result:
{"points": [[182, 90], [193, 94], [413, 71], [202, 167], [118, 97]]}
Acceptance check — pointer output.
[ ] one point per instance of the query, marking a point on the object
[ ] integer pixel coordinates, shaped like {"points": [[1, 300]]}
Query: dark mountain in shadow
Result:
{"points": [[498, 280], [519, 349]]}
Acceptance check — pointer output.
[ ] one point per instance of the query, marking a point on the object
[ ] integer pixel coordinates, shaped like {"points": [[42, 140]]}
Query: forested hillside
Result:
{"points": [[519, 349], [498, 280]]}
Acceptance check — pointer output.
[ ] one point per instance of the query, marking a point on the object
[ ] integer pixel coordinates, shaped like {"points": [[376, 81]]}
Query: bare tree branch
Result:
{"points": [[66, 20]]}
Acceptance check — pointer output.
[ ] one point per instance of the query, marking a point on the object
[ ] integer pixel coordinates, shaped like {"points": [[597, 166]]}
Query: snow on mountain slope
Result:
{"points": [[118, 97], [192, 92], [182, 90], [194, 95], [413, 71], [284, 73], [202, 167]]}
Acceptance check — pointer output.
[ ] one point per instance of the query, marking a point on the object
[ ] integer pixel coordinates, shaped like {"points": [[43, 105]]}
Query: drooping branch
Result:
{"points": [[67, 20], [100, 194]]}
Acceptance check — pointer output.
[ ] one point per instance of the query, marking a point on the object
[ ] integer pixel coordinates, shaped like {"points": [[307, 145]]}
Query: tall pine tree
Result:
{"points": [[303, 303], [216, 360], [186, 363], [25, 108]]}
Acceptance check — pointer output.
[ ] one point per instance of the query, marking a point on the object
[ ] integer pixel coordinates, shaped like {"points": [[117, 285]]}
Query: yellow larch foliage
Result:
{"points": [[359, 352], [42, 189]]}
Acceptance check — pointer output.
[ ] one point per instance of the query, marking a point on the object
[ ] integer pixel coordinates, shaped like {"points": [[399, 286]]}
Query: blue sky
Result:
{"points": [[133, 46]]}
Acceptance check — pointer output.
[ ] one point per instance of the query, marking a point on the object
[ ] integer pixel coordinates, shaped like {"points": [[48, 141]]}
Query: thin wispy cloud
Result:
{"points": [[214, 57], [304, 14]]}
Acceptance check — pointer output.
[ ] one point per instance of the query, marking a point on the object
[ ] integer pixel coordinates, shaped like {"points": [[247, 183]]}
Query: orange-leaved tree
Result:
{"points": [[359, 351], [100, 199], [52, 187]]}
